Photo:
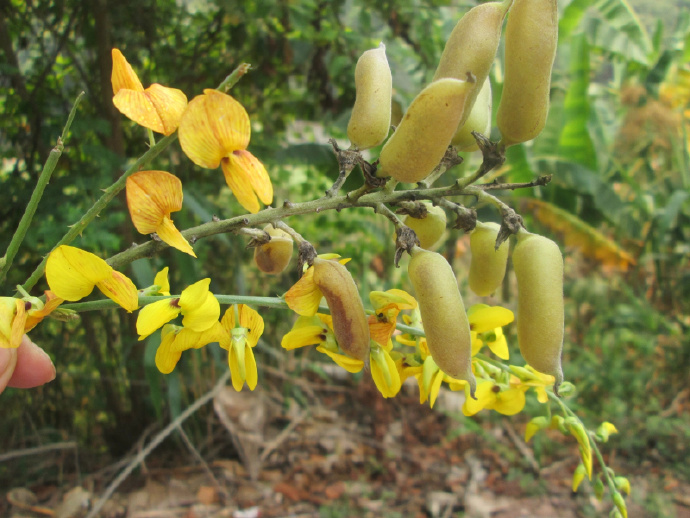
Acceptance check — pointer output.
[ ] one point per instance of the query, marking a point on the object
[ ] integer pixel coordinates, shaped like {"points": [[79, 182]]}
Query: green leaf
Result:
{"points": [[619, 31], [575, 142], [572, 15]]}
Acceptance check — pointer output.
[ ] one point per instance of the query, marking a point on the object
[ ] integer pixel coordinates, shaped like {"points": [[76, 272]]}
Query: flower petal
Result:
{"points": [[304, 297], [121, 289], [229, 119], [161, 279], [123, 75], [151, 195], [250, 368], [487, 318], [169, 104], [235, 371], [484, 396], [37, 315], [167, 355], [247, 178], [435, 387], [200, 308], [251, 319], [349, 364], [509, 402], [384, 373], [170, 235], [499, 346], [137, 106], [72, 273], [155, 315], [400, 298]]}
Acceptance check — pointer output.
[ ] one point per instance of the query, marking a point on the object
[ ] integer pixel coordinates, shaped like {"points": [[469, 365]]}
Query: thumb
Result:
{"points": [[8, 361]]}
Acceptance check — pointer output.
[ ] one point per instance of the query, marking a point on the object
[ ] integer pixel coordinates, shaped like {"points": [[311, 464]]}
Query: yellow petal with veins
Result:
{"points": [[304, 296], [166, 354], [123, 76], [251, 319], [121, 289], [169, 104], [72, 273], [229, 120], [170, 235], [150, 196], [247, 177], [138, 107]]}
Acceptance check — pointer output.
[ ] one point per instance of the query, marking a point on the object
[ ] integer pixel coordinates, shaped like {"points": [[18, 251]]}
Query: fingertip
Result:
{"points": [[34, 366]]}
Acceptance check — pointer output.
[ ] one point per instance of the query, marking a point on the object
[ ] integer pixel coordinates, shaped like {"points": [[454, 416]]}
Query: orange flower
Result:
{"points": [[151, 197], [214, 131], [158, 107]]}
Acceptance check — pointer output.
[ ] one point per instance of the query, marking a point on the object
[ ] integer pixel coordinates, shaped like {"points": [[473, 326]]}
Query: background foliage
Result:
{"points": [[616, 143]]}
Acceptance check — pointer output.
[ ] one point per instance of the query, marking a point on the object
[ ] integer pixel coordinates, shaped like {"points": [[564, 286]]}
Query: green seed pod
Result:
{"points": [[421, 139], [531, 40], [488, 266], [350, 325], [479, 121], [371, 114], [472, 46], [274, 256], [443, 314], [538, 267], [430, 229]]}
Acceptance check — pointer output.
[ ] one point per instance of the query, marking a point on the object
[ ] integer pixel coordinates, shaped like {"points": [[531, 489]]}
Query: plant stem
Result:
{"points": [[36, 196]]}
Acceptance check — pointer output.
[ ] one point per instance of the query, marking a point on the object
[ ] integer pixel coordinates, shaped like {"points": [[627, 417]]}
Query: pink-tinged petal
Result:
{"points": [[138, 107], [229, 120], [121, 289], [167, 355], [155, 315], [251, 319], [72, 273], [170, 235], [169, 104], [123, 76], [158, 188], [304, 296]]}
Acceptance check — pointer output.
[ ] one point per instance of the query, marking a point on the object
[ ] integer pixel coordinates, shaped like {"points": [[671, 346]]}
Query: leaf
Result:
{"points": [[577, 233], [153, 377], [575, 142], [619, 31], [572, 15]]}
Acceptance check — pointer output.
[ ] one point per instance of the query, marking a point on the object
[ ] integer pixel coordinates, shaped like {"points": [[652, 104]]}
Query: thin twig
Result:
{"points": [[38, 450]]}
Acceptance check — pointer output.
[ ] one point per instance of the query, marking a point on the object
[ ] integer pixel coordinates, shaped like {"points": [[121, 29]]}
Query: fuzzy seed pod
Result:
{"points": [[443, 314], [472, 46], [538, 267], [430, 229], [479, 121], [421, 139], [371, 114], [530, 41], [274, 256], [349, 319], [488, 266]]}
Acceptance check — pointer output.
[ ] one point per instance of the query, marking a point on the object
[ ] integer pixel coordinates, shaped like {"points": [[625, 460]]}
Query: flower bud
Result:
{"points": [[445, 322], [488, 265], [350, 325], [371, 114], [274, 256], [423, 135], [538, 267], [530, 49]]}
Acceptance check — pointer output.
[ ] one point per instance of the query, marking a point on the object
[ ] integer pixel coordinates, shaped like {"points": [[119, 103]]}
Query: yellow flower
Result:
{"points": [[72, 274], [151, 197], [176, 339], [304, 296], [158, 108], [529, 377], [214, 131], [18, 316], [242, 332], [318, 330], [198, 306], [161, 280], [384, 371], [493, 396], [387, 305], [485, 324]]}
